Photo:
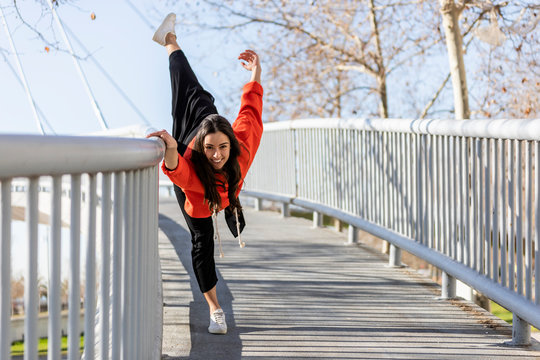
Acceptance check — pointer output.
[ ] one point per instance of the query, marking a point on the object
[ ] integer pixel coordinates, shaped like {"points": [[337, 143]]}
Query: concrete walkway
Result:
{"points": [[297, 292]]}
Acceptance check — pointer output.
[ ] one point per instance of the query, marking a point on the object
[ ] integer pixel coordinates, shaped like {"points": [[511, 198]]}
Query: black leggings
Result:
{"points": [[190, 105]]}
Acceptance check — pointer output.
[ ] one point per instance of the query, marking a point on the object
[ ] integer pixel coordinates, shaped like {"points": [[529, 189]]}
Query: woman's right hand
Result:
{"points": [[171, 152], [170, 142], [250, 61]]}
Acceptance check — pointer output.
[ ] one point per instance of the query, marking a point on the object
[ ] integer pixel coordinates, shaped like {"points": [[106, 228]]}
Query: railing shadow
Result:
{"points": [[203, 344]]}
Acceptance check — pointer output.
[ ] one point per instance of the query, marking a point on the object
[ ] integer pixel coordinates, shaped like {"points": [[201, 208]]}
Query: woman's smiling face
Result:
{"points": [[217, 147]]}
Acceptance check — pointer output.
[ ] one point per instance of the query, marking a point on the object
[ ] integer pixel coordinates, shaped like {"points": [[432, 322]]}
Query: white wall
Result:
{"points": [[17, 325]]}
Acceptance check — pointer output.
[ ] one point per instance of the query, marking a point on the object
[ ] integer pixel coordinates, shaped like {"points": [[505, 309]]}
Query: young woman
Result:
{"points": [[207, 158]]}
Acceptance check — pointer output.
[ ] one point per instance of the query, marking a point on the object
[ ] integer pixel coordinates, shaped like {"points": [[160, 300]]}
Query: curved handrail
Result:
{"points": [[422, 185], [117, 211]]}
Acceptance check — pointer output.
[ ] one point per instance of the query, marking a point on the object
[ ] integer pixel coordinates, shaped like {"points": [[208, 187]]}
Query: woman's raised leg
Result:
{"points": [[190, 102]]}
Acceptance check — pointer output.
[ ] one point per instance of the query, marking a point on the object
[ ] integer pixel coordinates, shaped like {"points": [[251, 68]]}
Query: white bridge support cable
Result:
{"points": [[109, 77], [95, 106], [22, 76], [144, 19], [42, 116]]}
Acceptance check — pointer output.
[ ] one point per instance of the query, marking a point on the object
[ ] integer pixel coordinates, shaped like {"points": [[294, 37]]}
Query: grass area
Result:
{"points": [[504, 314], [501, 312], [327, 220], [17, 347]]}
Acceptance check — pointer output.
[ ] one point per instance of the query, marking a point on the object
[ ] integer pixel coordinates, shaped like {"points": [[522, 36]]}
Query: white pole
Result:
{"points": [[22, 76], [97, 110], [55, 271], [31, 293], [74, 295], [106, 204], [5, 269], [117, 291], [90, 281]]}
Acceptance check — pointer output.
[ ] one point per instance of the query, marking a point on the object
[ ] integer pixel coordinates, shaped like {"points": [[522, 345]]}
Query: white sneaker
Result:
{"points": [[217, 323], [167, 26]]}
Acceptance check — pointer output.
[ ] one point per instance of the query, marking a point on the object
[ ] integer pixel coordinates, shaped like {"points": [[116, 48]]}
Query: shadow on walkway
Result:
{"points": [[301, 293]]}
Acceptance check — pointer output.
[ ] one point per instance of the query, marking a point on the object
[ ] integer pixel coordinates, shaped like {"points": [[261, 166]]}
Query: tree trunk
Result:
{"points": [[338, 99], [450, 15], [383, 105], [381, 70]]}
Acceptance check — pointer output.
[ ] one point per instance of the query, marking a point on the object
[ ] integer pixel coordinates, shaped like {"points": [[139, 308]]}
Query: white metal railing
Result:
{"points": [[463, 195], [117, 215]]}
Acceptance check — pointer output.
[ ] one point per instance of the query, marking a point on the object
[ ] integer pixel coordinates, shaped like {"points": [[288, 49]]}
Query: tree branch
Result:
{"points": [[296, 27], [432, 101], [42, 37]]}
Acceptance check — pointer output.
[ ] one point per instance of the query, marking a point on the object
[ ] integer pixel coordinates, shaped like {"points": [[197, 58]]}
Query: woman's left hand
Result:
{"points": [[250, 61]]}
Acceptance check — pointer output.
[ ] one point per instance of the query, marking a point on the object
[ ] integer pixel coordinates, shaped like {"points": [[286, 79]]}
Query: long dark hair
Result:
{"points": [[205, 171]]}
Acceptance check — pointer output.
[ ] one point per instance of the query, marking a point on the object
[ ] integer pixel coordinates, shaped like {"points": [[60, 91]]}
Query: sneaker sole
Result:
{"points": [[219, 332]]}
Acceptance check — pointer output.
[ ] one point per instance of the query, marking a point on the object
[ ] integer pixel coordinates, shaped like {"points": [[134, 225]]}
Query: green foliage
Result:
{"points": [[504, 314], [327, 220], [501, 312], [17, 347]]}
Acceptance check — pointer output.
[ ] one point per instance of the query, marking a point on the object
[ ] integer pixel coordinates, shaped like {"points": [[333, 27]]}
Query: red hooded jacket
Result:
{"points": [[248, 129]]}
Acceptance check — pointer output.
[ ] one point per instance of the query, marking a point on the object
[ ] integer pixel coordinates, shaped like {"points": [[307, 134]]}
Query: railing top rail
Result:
{"points": [[520, 129], [37, 155]]}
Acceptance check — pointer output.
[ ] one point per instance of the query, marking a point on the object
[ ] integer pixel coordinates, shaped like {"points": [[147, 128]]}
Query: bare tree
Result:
{"points": [[342, 58], [64, 293], [505, 67], [339, 58], [509, 59], [17, 294], [328, 58], [43, 293]]}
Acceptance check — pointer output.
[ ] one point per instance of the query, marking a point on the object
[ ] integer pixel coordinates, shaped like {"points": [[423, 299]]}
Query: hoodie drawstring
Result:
{"points": [[240, 242], [216, 233], [217, 237]]}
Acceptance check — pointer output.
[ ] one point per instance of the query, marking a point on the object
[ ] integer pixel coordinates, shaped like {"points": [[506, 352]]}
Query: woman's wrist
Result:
{"points": [[169, 169], [171, 158], [256, 74]]}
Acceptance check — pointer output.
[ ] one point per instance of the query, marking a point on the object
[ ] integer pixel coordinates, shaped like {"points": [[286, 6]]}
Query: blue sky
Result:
{"points": [[120, 40]]}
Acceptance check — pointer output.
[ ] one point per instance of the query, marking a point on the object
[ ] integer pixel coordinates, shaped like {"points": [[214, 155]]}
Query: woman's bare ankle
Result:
{"points": [[170, 39], [214, 308], [170, 43]]}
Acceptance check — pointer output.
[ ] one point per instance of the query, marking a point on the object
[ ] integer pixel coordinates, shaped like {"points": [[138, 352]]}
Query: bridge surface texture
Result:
{"points": [[299, 293]]}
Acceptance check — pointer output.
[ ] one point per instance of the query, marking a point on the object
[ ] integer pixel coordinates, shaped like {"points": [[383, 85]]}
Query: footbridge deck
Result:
{"points": [[298, 292]]}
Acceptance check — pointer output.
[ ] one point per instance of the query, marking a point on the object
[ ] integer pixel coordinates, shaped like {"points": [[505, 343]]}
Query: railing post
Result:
{"points": [[5, 266], [448, 290], [285, 210], [317, 219], [394, 258], [90, 282], [118, 290], [127, 255], [258, 204], [31, 294], [337, 225], [521, 332], [105, 266], [352, 235], [74, 294]]}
